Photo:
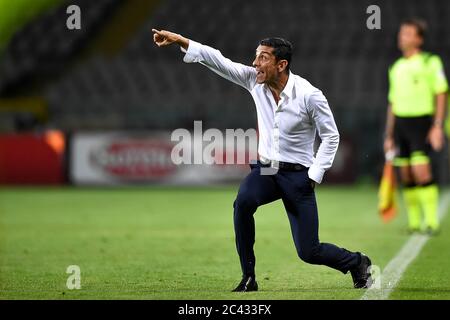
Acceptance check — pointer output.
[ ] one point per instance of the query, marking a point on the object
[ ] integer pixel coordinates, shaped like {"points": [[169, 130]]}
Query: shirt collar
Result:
{"points": [[288, 88]]}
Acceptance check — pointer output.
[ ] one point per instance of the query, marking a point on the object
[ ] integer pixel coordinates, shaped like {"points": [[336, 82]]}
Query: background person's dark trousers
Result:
{"points": [[294, 188]]}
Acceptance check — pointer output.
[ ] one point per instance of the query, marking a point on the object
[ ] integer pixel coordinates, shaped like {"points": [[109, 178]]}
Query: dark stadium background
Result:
{"points": [[109, 76]]}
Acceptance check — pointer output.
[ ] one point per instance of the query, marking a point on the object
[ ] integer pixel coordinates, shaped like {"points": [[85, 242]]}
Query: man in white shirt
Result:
{"points": [[289, 111]]}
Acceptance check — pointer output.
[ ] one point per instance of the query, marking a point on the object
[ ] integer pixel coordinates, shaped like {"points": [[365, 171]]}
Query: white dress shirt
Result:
{"points": [[287, 130]]}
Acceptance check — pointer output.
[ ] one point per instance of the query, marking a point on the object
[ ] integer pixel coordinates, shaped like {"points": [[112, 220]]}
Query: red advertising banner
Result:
{"points": [[32, 158], [114, 158]]}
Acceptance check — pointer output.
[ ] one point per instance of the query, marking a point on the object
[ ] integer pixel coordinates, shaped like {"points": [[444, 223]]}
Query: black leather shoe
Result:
{"points": [[247, 284], [361, 274]]}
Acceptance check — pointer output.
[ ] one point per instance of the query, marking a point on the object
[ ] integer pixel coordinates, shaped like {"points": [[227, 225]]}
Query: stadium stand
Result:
{"points": [[142, 87], [45, 44], [149, 88]]}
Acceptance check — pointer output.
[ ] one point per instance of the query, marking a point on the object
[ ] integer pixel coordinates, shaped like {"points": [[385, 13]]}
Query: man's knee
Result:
{"points": [[245, 202], [422, 181], [422, 174], [310, 255], [406, 175]]}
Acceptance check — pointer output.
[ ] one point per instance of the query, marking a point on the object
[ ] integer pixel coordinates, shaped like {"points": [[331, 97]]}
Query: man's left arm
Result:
{"points": [[323, 120], [436, 133], [440, 87]]}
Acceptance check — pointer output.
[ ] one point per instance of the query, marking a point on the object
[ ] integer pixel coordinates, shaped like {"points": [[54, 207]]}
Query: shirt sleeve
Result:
{"points": [[438, 79], [238, 73], [391, 86], [323, 120]]}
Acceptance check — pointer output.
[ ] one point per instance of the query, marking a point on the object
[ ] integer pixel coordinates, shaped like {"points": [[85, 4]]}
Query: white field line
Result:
{"points": [[397, 266]]}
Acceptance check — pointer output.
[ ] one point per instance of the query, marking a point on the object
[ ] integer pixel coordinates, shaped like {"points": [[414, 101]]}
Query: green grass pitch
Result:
{"points": [[178, 243]]}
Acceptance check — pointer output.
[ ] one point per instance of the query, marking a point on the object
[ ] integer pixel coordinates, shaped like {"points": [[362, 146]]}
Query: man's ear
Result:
{"points": [[282, 65]]}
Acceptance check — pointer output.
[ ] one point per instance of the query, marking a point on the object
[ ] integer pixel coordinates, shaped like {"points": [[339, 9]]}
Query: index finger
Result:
{"points": [[156, 31]]}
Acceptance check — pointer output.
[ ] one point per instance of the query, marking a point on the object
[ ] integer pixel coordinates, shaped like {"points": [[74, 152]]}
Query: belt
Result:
{"points": [[284, 165]]}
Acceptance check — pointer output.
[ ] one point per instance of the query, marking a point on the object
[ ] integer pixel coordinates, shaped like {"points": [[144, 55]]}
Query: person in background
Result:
{"points": [[414, 126]]}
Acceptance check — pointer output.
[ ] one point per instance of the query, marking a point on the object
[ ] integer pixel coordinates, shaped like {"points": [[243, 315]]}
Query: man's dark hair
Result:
{"points": [[419, 24], [282, 49]]}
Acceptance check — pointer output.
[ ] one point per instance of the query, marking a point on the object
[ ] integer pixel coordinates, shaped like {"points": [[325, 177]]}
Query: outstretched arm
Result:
{"points": [[240, 74], [164, 38]]}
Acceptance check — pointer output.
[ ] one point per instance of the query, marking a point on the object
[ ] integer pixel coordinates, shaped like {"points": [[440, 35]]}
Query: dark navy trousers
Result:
{"points": [[295, 190]]}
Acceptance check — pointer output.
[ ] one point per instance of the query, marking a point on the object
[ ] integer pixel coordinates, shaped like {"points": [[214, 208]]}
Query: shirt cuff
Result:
{"points": [[316, 174], [192, 54]]}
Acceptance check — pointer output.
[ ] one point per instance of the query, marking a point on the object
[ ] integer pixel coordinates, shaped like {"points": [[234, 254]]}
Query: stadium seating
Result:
{"points": [[147, 87], [45, 45]]}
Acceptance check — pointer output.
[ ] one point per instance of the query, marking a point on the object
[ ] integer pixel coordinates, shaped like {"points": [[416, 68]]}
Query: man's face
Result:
{"points": [[266, 65], [408, 38]]}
